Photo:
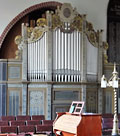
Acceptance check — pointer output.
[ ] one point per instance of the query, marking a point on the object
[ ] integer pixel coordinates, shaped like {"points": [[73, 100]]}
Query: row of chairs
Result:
{"points": [[22, 117], [21, 125], [31, 129], [26, 123]]}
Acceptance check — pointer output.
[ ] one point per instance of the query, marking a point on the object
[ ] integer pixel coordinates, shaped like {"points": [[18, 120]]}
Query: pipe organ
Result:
{"points": [[69, 38], [60, 59]]}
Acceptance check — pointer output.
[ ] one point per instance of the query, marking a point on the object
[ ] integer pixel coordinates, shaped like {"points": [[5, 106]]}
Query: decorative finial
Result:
{"points": [[115, 71]]}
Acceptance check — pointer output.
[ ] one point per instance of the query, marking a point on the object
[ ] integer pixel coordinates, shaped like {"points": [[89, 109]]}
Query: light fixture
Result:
{"points": [[113, 82]]}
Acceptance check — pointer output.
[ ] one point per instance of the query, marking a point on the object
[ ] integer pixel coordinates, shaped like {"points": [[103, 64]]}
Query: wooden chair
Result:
{"points": [[7, 118], [47, 122], [47, 129], [33, 122], [8, 129], [26, 129], [21, 117], [3, 123], [17, 123], [38, 117]]}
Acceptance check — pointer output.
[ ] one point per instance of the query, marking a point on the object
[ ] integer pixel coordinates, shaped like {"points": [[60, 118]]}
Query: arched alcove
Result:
{"points": [[29, 15]]}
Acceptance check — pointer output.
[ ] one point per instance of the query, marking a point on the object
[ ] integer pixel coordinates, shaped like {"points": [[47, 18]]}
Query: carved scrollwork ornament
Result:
{"points": [[41, 22], [105, 59], [18, 39], [105, 45], [93, 37], [29, 31], [36, 34], [18, 55], [67, 13], [89, 26], [56, 22], [77, 23]]}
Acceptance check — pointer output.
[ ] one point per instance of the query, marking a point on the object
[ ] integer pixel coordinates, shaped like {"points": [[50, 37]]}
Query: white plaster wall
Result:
{"points": [[96, 11]]}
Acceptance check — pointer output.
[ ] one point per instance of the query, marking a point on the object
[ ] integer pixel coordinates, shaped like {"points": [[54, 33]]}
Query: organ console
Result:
{"points": [[76, 123]]}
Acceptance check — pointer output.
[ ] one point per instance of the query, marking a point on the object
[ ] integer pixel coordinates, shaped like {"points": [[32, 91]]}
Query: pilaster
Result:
{"points": [[24, 99], [24, 54], [49, 46], [24, 69], [49, 88], [83, 53], [83, 90]]}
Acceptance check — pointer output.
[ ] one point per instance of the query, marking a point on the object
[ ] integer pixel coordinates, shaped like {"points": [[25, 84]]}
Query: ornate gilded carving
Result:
{"points": [[105, 59], [18, 39], [37, 32], [29, 31], [67, 13], [67, 19], [77, 23], [18, 54], [105, 45], [89, 26], [41, 22], [56, 22], [92, 35]]}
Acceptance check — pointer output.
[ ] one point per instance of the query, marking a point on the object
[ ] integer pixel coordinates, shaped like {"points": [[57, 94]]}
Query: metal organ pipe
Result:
{"points": [[66, 59], [44, 61], [37, 59], [62, 57], [56, 56], [59, 55]]}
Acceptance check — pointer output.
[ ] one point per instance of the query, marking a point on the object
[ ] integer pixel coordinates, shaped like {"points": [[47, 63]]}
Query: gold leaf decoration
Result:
{"points": [[77, 23], [29, 31], [56, 22], [36, 34], [92, 35], [105, 59], [18, 54], [18, 39], [105, 45], [41, 22], [89, 26]]}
